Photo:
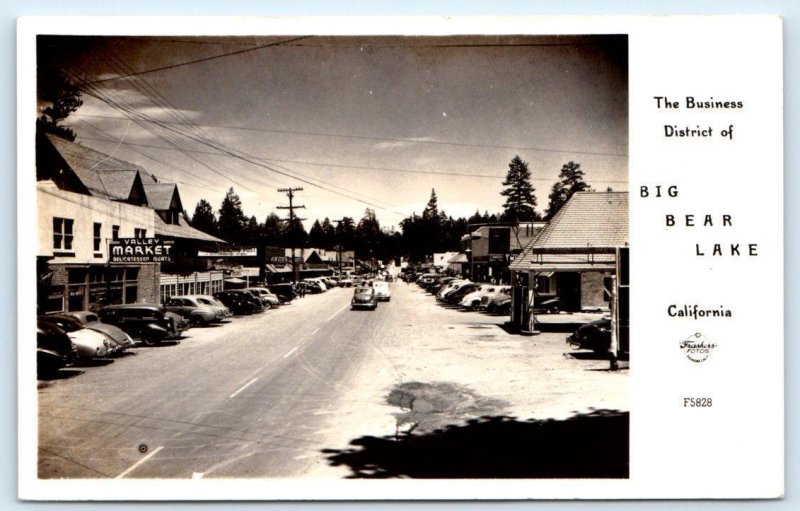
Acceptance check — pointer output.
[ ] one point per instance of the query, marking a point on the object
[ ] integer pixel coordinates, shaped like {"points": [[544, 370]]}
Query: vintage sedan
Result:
{"points": [[90, 344], [191, 308], [490, 302], [266, 296], [364, 298], [54, 348], [472, 301], [382, 292], [595, 336], [150, 323], [239, 302], [92, 321]]}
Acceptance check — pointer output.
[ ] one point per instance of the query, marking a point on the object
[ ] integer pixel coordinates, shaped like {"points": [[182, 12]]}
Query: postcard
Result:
{"points": [[403, 258]]}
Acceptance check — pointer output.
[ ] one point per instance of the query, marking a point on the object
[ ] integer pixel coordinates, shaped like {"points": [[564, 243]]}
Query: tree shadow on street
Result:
{"points": [[594, 445]]}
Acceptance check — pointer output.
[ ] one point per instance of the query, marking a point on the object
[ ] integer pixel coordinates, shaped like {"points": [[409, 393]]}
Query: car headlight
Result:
{"points": [[73, 346]]}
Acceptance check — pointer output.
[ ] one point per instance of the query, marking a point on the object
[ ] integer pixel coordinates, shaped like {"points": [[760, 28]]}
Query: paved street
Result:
{"points": [[284, 393]]}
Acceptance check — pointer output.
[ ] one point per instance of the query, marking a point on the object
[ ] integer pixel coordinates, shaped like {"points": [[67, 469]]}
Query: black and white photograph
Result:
{"points": [[335, 257]]}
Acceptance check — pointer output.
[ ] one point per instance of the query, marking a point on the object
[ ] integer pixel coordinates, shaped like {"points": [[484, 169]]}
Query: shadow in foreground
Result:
{"points": [[593, 445]]}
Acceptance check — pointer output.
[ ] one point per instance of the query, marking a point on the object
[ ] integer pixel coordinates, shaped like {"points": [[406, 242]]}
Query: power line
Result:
{"points": [[390, 139], [190, 62], [361, 167]]}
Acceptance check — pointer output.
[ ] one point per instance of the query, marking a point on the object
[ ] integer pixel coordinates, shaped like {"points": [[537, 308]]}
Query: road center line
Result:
{"points": [[337, 312], [291, 351], [197, 475], [135, 465], [243, 387], [315, 331]]}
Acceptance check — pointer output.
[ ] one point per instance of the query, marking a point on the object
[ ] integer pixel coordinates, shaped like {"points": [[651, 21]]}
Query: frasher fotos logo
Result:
{"points": [[697, 347]]}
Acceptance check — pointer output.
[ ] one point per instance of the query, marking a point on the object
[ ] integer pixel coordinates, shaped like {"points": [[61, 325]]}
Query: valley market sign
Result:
{"points": [[141, 250]]}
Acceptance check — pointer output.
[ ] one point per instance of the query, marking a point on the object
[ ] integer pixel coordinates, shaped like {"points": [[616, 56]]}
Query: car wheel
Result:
{"points": [[148, 341], [474, 306], [267, 306]]}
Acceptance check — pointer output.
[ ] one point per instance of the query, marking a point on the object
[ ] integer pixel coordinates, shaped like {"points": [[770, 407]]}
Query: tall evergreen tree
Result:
{"points": [[570, 181], [272, 230], [316, 235], [520, 205], [231, 221], [329, 234], [432, 208], [204, 218]]}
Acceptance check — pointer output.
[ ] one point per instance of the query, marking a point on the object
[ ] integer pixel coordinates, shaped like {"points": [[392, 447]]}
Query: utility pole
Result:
{"points": [[291, 207], [339, 244]]}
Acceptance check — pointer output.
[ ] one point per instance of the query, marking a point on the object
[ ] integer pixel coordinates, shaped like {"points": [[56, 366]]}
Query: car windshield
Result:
{"points": [[91, 317], [363, 290], [204, 301]]}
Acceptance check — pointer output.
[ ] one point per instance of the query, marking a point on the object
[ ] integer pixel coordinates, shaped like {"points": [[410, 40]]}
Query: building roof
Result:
{"points": [[182, 230], [159, 195], [102, 174], [587, 222]]}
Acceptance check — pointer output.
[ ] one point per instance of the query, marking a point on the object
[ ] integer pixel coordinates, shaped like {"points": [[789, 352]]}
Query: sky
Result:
{"points": [[357, 122]]}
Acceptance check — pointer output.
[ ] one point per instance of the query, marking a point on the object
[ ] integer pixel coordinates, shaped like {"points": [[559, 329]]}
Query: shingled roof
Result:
{"points": [[182, 230], [587, 222], [102, 174], [159, 195]]}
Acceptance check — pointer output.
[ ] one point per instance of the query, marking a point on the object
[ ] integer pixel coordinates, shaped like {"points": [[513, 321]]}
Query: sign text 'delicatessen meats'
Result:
{"points": [[140, 250]]}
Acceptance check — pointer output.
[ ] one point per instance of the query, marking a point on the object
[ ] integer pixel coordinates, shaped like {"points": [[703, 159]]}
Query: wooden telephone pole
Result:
{"points": [[292, 219]]}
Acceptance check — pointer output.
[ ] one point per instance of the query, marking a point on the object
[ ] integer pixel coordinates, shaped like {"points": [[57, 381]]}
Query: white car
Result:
{"points": [[452, 286], [382, 291], [472, 301]]}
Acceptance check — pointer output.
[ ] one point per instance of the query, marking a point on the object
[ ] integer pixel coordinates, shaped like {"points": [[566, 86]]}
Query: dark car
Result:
{"points": [[455, 297], [150, 323], [54, 349], [595, 336], [285, 292], [239, 302], [364, 298], [547, 302]]}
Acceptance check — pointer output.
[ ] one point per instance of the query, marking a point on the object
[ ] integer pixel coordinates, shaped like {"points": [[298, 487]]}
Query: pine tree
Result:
{"points": [[432, 209], [519, 192], [231, 222], [570, 181], [204, 219], [316, 235]]}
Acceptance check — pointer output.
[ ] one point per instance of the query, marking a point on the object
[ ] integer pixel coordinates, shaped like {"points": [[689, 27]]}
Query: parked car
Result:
{"points": [[92, 321], [382, 292], [210, 301], [364, 298], [266, 296], [284, 292], [472, 301], [345, 282], [312, 286], [452, 286], [455, 296], [490, 302], [195, 311], [239, 302], [149, 323], [90, 344], [547, 302], [595, 336], [54, 348]]}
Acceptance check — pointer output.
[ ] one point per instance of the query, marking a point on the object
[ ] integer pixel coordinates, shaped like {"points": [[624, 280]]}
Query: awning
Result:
{"points": [[234, 280], [459, 258], [277, 269]]}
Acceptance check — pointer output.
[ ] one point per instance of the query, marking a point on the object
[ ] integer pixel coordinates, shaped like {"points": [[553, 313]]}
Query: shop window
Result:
{"points": [[115, 232], [62, 233], [97, 240], [139, 233], [55, 300]]}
